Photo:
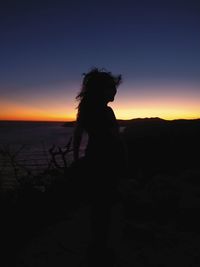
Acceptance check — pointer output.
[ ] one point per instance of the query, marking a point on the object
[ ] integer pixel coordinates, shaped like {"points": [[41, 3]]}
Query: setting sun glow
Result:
{"points": [[132, 105]]}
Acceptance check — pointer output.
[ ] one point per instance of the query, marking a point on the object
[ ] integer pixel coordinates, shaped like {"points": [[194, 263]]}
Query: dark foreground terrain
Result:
{"points": [[155, 219]]}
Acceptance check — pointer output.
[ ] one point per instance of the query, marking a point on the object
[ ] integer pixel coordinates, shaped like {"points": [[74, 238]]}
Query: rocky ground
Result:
{"points": [[155, 224]]}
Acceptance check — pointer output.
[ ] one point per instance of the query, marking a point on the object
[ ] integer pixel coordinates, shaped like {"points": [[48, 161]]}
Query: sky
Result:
{"points": [[46, 46]]}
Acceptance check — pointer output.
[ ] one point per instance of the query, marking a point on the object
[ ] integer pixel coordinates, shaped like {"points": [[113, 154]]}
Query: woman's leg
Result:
{"points": [[100, 223]]}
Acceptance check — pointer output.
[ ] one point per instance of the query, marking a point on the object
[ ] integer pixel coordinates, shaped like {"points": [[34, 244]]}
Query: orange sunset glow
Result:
{"points": [[129, 106]]}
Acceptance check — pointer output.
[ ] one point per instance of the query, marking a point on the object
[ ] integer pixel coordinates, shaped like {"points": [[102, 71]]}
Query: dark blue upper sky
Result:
{"points": [[47, 44]]}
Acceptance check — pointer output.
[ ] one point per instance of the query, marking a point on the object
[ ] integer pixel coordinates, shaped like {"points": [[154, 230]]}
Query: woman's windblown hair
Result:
{"points": [[94, 85]]}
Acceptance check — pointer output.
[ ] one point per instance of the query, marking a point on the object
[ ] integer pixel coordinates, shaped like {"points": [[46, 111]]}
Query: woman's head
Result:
{"points": [[98, 86]]}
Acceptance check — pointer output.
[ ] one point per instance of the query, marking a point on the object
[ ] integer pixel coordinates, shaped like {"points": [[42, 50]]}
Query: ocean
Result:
{"points": [[34, 133], [24, 146]]}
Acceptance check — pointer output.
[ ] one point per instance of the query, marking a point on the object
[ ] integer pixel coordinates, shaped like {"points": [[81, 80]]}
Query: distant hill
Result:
{"points": [[141, 121], [156, 144], [121, 122], [138, 120]]}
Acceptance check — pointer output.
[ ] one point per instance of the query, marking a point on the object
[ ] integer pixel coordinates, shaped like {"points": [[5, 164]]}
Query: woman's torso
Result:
{"points": [[104, 142]]}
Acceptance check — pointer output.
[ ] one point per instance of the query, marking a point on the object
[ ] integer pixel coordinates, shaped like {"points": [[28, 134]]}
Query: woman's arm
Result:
{"points": [[78, 132]]}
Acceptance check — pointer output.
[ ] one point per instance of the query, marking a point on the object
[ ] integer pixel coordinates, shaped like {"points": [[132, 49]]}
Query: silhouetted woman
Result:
{"points": [[104, 154]]}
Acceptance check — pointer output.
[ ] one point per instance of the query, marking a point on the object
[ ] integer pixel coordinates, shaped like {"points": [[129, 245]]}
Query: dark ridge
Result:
{"points": [[156, 145], [154, 120]]}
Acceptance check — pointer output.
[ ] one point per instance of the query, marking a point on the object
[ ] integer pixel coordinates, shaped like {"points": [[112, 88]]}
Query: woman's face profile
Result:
{"points": [[110, 93]]}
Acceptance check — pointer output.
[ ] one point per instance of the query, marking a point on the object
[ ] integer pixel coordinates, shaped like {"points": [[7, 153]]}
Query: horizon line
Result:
{"points": [[63, 121]]}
